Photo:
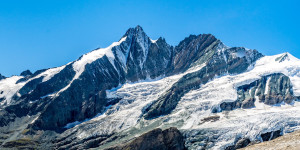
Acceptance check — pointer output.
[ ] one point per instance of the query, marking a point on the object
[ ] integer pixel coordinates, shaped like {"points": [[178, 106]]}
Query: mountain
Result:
{"points": [[218, 97]]}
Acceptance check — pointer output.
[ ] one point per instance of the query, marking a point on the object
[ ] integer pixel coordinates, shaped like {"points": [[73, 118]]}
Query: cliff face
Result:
{"points": [[169, 139], [271, 90], [217, 60]]}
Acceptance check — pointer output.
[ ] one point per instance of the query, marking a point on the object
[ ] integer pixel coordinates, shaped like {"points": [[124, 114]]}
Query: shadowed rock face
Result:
{"points": [[26, 73], [244, 142], [2, 77], [157, 139], [271, 89], [218, 62], [239, 144], [191, 50]]}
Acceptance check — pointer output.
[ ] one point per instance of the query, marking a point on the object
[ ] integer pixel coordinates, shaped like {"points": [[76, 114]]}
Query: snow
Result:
{"points": [[8, 88], [73, 124], [79, 65], [194, 105], [48, 74], [198, 104], [240, 53], [153, 41], [128, 111], [267, 85]]}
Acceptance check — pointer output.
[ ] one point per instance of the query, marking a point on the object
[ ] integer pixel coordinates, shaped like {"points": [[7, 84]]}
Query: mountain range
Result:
{"points": [[139, 92]]}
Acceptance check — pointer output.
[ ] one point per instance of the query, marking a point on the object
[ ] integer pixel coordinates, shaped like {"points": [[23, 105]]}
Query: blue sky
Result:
{"points": [[38, 34]]}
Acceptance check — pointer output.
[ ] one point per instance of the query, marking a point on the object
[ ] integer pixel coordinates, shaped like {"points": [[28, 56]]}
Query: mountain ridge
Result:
{"points": [[77, 97]]}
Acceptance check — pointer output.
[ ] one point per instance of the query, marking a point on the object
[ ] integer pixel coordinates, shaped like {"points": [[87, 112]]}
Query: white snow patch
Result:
{"points": [[267, 85], [153, 41], [8, 88]]}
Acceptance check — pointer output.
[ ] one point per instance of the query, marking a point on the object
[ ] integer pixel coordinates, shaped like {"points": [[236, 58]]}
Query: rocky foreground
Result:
{"points": [[289, 141]]}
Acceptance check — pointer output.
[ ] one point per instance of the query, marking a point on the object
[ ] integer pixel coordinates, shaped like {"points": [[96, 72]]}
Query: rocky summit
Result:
{"points": [[140, 93]]}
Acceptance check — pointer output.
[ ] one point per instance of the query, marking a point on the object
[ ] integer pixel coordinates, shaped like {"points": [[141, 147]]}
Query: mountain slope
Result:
{"points": [[209, 91]]}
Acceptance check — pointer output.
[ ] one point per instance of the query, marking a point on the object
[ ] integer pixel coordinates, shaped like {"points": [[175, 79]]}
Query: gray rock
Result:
{"points": [[277, 91], [26, 73], [2, 77], [218, 62], [169, 139]]}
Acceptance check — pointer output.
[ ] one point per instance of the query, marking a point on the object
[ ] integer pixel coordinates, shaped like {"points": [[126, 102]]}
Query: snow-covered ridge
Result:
{"points": [[9, 86], [79, 65]]}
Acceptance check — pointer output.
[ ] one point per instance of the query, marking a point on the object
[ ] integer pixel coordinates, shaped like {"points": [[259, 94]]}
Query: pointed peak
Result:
{"points": [[138, 30], [138, 27], [286, 56]]}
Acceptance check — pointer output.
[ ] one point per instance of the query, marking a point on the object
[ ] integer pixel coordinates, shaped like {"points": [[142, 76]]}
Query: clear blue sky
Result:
{"points": [[37, 34]]}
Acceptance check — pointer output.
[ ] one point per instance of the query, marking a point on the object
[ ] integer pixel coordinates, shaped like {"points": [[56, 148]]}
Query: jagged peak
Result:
{"points": [[138, 30], [192, 37], [26, 73], [286, 56]]}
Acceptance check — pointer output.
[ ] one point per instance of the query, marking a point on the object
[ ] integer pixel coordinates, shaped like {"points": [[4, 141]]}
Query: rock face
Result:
{"points": [[2, 77], [239, 144], [26, 73], [289, 141], [169, 139], [218, 60], [271, 89]]}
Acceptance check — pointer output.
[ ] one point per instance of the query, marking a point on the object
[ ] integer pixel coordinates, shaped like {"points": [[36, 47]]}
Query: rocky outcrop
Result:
{"points": [[271, 135], [270, 90], [169, 139], [287, 141], [244, 142], [26, 73], [218, 61], [239, 144], [2, 77]]}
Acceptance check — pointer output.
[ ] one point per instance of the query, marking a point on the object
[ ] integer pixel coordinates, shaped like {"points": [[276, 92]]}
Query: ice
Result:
{"points": [[198, 104], [128, 111], [8, 88]]}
